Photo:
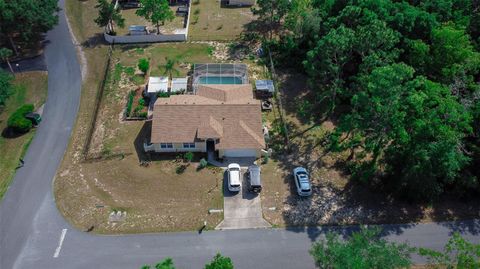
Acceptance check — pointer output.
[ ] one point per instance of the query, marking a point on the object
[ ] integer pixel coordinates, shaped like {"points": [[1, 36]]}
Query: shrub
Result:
{"points": [[163, 94], [180, 169], [131, 95], [265, 159], [138, 108], [196, 12], [143, 65], [210, 50], [129, 71], [188, 156], [17, 120], [143, 114], [203, 164]]}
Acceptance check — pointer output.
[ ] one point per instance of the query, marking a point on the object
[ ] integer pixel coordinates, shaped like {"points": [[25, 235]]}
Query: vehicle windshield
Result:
{"points": [[235, 185], [234, 169], [305, 190]]}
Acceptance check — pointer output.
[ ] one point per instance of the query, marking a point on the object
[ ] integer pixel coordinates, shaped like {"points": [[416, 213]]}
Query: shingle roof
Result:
{"points": [[234, 118]]}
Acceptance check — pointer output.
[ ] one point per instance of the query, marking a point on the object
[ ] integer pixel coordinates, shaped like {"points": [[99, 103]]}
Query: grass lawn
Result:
{"points": [[186, 53], [210, 21], [133, 19], [30, 87]]}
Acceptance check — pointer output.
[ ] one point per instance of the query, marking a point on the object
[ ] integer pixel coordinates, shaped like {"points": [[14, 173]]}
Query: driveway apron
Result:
{"points": [[242, 210]]}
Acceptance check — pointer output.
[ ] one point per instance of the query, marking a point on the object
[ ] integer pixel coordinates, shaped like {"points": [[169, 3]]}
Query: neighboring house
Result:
{"points": [[219, 117], [240, 2]]}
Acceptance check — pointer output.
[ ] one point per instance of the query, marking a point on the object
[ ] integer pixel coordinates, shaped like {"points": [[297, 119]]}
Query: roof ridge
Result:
{"points": [[216, 126], [258, 139]]}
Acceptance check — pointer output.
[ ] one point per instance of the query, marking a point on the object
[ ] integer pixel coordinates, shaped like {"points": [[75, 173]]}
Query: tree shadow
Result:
{"points": [[463, 226], [9, 133], [95, 41], [127, 47]]}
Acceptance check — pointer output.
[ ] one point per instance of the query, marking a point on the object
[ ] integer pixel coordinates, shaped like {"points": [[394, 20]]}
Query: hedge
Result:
{"points": [[131, 95], [17, 120]]}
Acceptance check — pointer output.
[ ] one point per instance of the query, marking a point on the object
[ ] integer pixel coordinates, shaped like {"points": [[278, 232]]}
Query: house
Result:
{"points": [[223, 118]]}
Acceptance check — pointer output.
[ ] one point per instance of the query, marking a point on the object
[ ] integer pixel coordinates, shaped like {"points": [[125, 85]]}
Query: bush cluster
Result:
{"points": [[17, 120]]}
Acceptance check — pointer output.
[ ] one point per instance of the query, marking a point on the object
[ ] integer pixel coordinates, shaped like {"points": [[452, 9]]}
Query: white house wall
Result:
{"points": [[178, 147]]}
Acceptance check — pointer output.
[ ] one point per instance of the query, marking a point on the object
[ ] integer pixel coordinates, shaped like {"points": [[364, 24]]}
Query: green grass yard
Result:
{"points": [[30, 87], [210, 21], [133, 19], [186, 53]]}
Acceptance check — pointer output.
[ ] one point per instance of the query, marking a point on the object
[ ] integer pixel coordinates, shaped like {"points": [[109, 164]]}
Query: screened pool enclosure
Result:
{"points": [[219, 74]]}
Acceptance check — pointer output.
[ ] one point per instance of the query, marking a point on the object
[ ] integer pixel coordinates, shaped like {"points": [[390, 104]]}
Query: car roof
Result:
{"points": [[254, 175], [234, 165], [234, 177], [300, 169]]}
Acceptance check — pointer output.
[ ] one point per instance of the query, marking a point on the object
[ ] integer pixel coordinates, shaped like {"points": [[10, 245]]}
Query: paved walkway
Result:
{"points": [[241, 210]]}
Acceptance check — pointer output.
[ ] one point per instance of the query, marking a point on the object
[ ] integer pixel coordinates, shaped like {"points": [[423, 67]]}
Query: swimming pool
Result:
{"points": [[219, 80]]}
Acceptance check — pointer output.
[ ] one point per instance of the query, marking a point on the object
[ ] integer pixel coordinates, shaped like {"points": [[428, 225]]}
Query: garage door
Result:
{"points": [[240, 153]]}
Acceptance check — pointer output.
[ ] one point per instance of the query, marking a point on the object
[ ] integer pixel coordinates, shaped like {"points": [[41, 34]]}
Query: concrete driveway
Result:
{"points": [[242, 210]]}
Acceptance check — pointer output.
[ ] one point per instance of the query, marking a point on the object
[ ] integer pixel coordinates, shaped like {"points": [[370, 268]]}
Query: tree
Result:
{"points": [[169, 66], [362, 249], [108, 14], [26, 19], [5, 86], [458, 253], [165, 264], [5, 55], [143, 65], [453, 54], [220, 262], [407, 131], [156, 11]]}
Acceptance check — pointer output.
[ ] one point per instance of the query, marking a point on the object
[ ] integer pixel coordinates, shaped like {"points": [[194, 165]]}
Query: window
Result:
{"points": [[166, 145], [189, 145]]}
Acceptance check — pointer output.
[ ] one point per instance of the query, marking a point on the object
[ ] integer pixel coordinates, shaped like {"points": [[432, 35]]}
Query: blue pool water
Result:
{"points": [[219, 80]]}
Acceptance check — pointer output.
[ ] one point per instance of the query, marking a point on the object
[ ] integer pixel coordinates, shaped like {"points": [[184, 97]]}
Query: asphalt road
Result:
{"points": [[34, 235]]}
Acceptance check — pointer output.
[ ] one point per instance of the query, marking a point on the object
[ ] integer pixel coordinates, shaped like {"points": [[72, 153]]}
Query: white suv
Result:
{"points": [[234, 182]]}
